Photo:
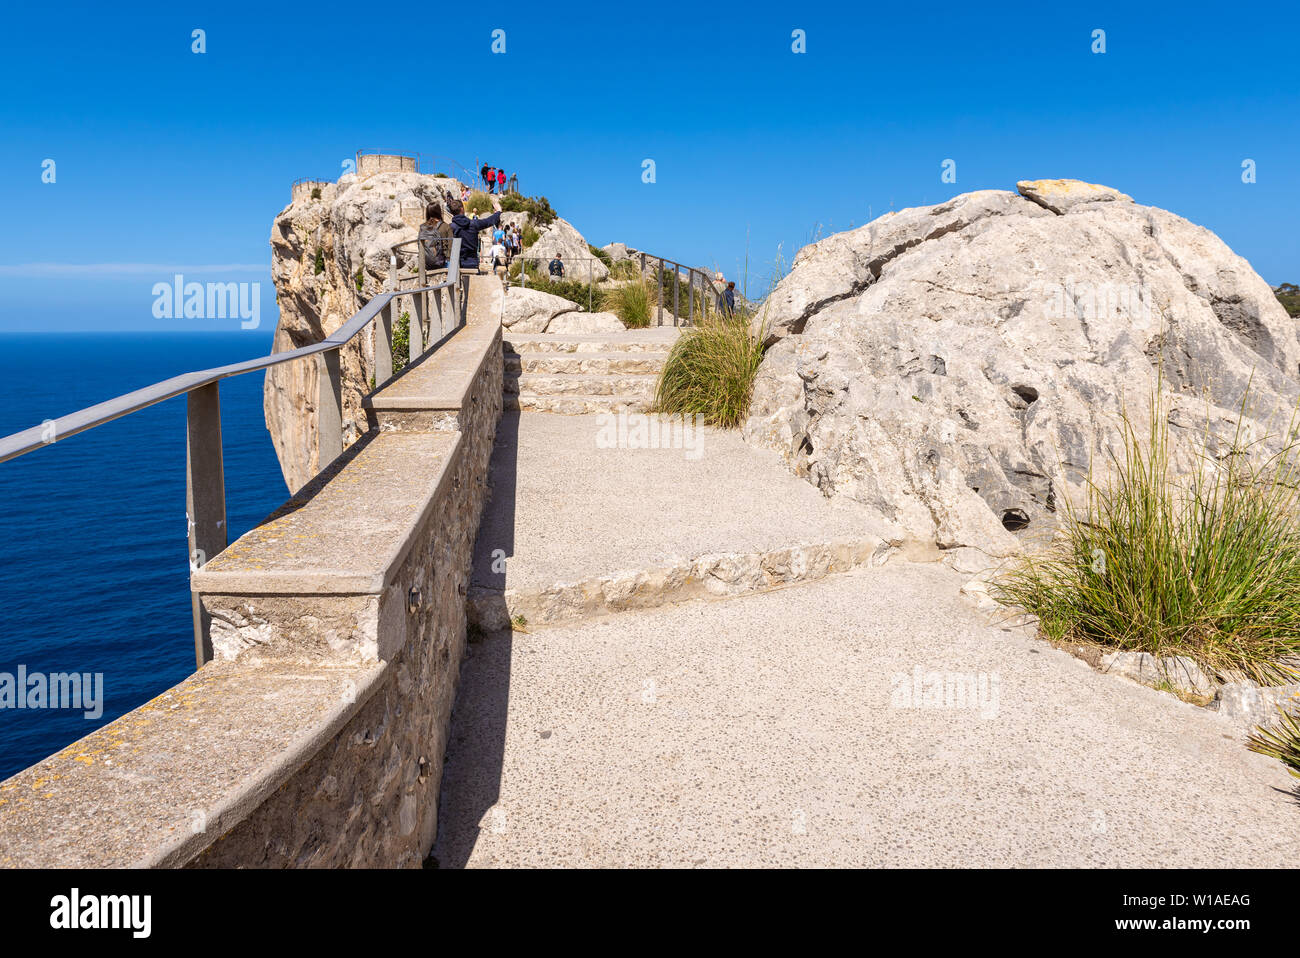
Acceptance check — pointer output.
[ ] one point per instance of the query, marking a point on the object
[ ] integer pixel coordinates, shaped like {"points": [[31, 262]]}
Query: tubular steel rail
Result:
{"points": [[205, 491], [705, 282]]}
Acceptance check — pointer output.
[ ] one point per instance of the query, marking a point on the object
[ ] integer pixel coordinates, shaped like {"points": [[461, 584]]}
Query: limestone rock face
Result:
{"points": [[1061, 196], [353, 225], [561, 237], [958, 367], [528, 310], [574, 322]]}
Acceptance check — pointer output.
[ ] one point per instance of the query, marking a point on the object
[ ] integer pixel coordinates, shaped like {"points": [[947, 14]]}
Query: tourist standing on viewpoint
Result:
{"points": [[468, 229]]}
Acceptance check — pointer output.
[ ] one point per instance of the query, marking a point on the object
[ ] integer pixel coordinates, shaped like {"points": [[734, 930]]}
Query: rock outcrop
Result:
{"points": [[959, 367], [529, 310], [560, 237], [329, 256]]}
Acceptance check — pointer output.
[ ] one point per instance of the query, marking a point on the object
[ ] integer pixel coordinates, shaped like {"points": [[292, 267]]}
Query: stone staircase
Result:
{"points": [[585, 373]]}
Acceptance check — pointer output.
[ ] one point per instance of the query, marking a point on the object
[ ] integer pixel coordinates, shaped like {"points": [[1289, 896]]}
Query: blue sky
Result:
{"points": [[167, 158]]}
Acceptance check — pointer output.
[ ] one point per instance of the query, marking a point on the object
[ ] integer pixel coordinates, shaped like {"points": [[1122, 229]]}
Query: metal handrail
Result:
{"points": [[205, 495], [706, 283]]}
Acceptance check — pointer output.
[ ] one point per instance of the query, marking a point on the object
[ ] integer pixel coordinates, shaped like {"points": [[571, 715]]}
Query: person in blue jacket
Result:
{"points": [[467, 229]]}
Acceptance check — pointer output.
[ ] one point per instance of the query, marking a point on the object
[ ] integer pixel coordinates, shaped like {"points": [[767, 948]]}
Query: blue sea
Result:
{"points": [[94, 572]]}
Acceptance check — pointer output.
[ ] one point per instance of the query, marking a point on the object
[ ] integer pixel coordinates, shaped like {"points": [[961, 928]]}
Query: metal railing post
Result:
{"points": [[205, 499], [415, 335], [424, 296], [659, 300], [690, 297], [329, 408], [435, 302], [384, 345], [453, 275], [677, 288], [643, 267]]}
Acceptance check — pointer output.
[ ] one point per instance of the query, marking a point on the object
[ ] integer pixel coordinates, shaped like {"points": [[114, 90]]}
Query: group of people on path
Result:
{"points": [[435, 238], [494, 180], [507, 243]]}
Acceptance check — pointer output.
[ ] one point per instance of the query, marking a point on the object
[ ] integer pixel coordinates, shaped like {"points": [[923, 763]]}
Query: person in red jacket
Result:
{"points": [[501, 181]]}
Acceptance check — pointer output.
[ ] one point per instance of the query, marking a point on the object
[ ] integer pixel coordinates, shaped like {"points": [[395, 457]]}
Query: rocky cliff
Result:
{"points": [[959, 367], [329, 255]]}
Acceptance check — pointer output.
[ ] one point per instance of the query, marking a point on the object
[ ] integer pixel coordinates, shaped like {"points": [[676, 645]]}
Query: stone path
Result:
{"points": [[579, 524], [769, 730], [712, 664]]}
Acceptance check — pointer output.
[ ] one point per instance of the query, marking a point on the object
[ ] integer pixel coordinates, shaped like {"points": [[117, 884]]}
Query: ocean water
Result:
{"points": [[94, 572]]}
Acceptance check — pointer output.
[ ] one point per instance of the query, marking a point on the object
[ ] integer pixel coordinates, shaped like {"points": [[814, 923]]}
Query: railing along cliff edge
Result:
{"points": [[205, 490]]}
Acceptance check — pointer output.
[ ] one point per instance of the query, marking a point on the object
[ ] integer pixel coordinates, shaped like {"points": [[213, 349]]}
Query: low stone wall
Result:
{"points": [[316, 736]]}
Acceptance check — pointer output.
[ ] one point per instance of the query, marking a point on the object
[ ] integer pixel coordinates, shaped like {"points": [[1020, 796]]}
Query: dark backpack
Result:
{"points": [[433, 240]]}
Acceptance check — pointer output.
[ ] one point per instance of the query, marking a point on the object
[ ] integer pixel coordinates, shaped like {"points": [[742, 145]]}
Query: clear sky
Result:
{"points": [[168, 160]]}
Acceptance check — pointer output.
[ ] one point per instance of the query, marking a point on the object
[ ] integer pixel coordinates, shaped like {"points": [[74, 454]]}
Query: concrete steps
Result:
{"points": [[581, 384], [594, 363], [653, 340], [576, 405], [585, 373]]}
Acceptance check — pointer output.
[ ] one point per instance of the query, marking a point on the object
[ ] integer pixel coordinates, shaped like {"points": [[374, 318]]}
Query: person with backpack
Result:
{"points": [[729, 298], [499, 258], [556, 268], [435, 238], [467, 229], [501, 181]]}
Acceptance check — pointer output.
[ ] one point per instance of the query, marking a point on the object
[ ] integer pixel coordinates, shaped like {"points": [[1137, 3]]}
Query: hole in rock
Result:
{"points": [[1013, 520], [1028, 393], [805, 446]]}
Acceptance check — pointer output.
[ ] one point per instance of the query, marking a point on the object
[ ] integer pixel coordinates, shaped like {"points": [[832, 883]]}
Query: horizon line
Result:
{"points": [[36, 270]]}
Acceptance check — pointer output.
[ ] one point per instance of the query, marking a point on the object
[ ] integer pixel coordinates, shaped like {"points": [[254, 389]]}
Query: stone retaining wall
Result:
{"points": [[316, 736]]}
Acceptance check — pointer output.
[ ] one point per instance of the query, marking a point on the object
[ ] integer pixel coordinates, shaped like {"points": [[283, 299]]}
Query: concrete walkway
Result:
{"points": [[776, 730], [581, 523], [565, 504]]}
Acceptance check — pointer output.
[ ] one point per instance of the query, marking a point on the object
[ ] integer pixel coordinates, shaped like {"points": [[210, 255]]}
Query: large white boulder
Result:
{"points": [[529, 310], [575, 322], [959, 367]]}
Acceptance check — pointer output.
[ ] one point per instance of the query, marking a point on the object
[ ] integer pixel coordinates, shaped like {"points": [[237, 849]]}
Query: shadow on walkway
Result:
{"points": [[471, 776]]}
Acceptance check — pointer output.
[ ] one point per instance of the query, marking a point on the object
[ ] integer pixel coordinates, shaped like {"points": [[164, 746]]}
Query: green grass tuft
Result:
{"points": [[632, 302], [478, 202], [1205, 564], [538, 208], [401, 342], [710, 372], [1280, 741]]}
